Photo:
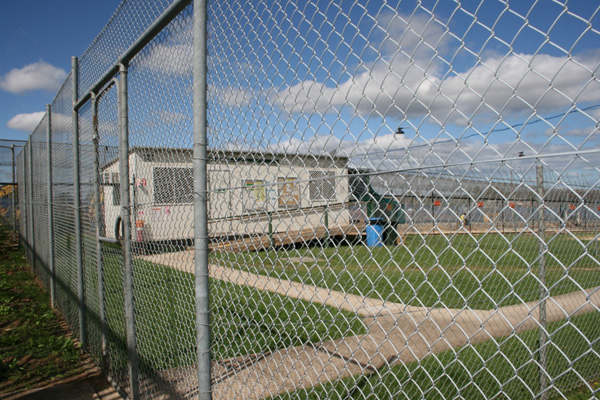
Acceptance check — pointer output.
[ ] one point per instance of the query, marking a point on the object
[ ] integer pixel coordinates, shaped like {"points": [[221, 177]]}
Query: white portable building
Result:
{"points": [[250, 193]]}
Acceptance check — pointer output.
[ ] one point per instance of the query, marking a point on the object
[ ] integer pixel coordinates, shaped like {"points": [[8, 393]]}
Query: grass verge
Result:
{"points": [[479, 271], [244, 320], [505, 368], [35, 347]]}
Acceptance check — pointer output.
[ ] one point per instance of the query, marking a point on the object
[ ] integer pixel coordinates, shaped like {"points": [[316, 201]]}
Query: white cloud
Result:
{"points": [[26, 122], [408, 81], [373, 151], [232, 96], [169, 59], [36, 76], [514, 84], [171, 117]]}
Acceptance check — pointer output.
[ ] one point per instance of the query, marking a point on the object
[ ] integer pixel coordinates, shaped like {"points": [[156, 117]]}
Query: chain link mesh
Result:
{"points": [[9, 191], [39, 161], [403, 200]]}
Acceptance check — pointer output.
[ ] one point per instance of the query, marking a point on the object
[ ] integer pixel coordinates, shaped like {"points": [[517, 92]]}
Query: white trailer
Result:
{"points": [[250, 193]]}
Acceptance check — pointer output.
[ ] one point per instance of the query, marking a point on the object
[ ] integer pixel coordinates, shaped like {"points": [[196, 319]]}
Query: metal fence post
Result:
{"points": [[326, 223], [270, 228], [126, 221], [98, 222], [542, 277], [14, 203], [200, 199], [23, 201], [31, 233], [50, 205], [77, 202]]}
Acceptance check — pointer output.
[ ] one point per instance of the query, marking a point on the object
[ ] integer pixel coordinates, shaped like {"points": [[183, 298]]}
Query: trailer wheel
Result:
{"points": [[119, 229]]}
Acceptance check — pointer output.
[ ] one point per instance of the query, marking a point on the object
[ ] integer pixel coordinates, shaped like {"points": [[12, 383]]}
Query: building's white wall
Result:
{"points": [[242, 211], [233, 208]]}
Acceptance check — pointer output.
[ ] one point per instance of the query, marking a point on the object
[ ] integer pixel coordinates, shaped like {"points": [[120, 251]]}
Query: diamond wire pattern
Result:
{"points": [[64, 212], [25, 200], [6, 162], [8, 180], [128, 22], [112, 254], [40, 200], [88, 232], [21, 194], [160, 117], [471, 233], [431, 118]]}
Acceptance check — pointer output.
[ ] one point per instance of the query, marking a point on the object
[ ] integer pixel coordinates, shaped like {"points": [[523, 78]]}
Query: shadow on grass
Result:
{"points": [[499, 368]]}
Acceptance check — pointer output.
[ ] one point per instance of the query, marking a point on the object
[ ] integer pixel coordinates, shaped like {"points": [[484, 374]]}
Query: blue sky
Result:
{"points": [[40, 37], [481, 81]]}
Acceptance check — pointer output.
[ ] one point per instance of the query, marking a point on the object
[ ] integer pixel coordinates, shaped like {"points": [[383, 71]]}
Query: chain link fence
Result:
{"points": [[345, 200], [9, 200]]}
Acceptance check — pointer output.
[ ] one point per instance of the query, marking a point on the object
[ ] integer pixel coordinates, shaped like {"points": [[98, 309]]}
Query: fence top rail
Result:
{"points": [[157, 26]]}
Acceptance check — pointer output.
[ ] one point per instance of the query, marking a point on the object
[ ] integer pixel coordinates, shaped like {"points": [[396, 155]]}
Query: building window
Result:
{"points": [[116, 194], [289, 193], [321, 185], [173, 185], [255, 194]]}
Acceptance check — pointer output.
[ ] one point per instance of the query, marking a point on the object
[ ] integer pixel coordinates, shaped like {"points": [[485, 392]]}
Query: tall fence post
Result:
{"points": [[270, 228], [200, 199], [31, 233], [23, 201], [13, 194], [99, 233], [326, 223], [50, 205], [543, 290], [126, 221], [77, 202]]}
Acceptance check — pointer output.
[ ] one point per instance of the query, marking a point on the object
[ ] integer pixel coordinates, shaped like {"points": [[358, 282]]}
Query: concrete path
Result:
{"points": [[363, 306], [395, 333]]}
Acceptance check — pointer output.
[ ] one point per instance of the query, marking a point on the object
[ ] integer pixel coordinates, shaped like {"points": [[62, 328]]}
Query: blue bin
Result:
{"points": [[375, 232]]}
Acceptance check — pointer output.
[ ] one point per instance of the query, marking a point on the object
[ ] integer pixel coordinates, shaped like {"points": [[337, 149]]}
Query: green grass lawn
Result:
{"points": [[244, 320], [504, 368], [480, 271]]}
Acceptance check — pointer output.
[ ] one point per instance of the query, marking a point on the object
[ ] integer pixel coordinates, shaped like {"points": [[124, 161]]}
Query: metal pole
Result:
{"points": [[126, 221], [31, 234], [543, 290], [584, 212], [469, 212], [326, 223], [23, 202], [168, 15], [98, 222], [14, 203], [512, 190], [270, 228], [533, 216], [77, 203], [50, 205], [200, 200], [433, 210]]}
